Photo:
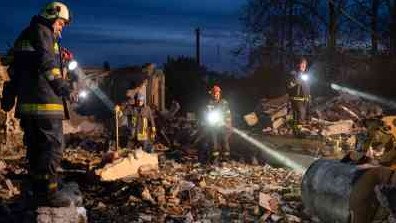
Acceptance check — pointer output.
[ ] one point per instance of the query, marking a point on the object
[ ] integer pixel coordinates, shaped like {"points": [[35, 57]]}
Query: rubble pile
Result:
{"points": [[7, 188], [329, 117], [188, 192], [10, 131], [345, 107]]}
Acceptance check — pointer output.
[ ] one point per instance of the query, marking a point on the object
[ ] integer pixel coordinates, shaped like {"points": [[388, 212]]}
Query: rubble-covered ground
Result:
{"points": [[177, 192]]}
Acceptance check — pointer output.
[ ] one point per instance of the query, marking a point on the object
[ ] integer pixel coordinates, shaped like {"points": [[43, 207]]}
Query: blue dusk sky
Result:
{"points": [[133, 32]]}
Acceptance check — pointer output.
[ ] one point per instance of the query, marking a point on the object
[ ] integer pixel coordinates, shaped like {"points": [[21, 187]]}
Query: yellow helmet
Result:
{"points": [[56, 10]]}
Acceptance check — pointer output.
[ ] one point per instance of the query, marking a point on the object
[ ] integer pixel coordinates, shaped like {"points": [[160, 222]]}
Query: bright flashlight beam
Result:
{"points": [[364, 95], [276, 155], [304, 77], [99, 93], [83, 94]]}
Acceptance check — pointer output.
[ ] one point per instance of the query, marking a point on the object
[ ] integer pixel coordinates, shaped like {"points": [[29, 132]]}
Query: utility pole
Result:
{"points": [[197, 45]]}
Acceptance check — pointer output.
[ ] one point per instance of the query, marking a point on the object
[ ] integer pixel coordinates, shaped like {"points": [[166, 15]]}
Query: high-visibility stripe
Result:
{"points": [[300, 98], [24, 45], [56, 48], [41, 107], [214, 154], [53, 74], [143, 134], [52, 186]]}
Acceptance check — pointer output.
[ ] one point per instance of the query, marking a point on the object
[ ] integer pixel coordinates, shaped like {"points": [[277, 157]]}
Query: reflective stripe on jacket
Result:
{"points": [[36, 63]]}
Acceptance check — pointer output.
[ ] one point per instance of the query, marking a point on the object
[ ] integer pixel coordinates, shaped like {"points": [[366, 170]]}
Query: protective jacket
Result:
{"points": [[221, 132], [223, 107], [36, 80], [140, 122], [297, 88]]}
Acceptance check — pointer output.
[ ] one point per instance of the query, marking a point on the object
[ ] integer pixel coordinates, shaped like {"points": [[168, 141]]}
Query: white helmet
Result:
{"points": [[56, 10]]}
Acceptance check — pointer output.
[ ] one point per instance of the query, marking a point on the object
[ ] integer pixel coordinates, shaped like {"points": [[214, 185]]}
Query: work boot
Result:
{"points": [[214, 158], [58, 199], [48, 195], [225, 157]]}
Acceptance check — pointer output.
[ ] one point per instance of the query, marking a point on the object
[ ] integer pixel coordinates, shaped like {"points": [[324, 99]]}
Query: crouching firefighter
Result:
{"points": [[218, 125], [141, 124], [37, 86]]}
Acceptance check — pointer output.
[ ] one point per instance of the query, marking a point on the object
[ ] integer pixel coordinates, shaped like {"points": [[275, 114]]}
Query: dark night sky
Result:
{"points": [[127, 32]]}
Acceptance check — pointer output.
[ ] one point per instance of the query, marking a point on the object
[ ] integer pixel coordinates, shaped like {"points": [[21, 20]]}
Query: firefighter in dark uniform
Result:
{"points": [[219, 126], [299, 92], [37, 85], [141, 123]]}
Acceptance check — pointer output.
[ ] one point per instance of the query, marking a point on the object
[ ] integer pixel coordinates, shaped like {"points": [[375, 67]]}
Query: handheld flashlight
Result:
{"points": [[304, 77], [214, 117], [72, 65]]}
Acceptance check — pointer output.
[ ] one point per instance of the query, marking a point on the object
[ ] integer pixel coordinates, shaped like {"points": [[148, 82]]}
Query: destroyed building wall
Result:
{"points": [[10, 131]]}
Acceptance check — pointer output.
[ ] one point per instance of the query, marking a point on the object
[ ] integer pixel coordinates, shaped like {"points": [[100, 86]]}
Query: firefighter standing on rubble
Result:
{"points": [[141, 123], [219, 126], [299, 92], [36, 81]]}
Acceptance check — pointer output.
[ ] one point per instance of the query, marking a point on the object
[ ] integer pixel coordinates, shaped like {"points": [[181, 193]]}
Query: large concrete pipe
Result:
{"points": [[338, 192]]}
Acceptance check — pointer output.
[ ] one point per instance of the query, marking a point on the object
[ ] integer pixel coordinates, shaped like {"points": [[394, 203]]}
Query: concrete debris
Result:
{"points": [[3, 165], [332, 116], [10, 131], [269, 203], [129, 166], [188, 192], [70, 214]]}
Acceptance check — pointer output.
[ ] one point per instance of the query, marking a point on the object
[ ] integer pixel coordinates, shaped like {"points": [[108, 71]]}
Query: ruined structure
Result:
{"points": [[10, 131]]}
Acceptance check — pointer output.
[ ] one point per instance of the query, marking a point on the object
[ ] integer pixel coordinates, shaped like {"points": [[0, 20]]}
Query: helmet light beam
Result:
{"points": [[367, 96], [271, 152]]}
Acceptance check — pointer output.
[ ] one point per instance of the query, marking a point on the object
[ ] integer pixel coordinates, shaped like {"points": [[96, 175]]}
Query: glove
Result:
{"points": [[61, 88], [9, 96], [66, 54]]}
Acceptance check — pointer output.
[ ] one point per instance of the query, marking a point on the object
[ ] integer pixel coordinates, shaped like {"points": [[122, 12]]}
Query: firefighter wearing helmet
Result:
{"points": [[140, 124], [298, 89], [37, 85], [218, 118]]}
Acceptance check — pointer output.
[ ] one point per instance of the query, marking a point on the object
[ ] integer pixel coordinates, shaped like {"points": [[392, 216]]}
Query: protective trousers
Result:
{"points": [[221, 146], [44, 141], [300, 110]]}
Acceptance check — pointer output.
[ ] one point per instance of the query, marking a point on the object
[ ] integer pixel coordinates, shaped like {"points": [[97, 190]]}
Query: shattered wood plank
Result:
{"points": [[278, 123], [279, 114], [251, 119], [337, 128], [129, 166]]}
